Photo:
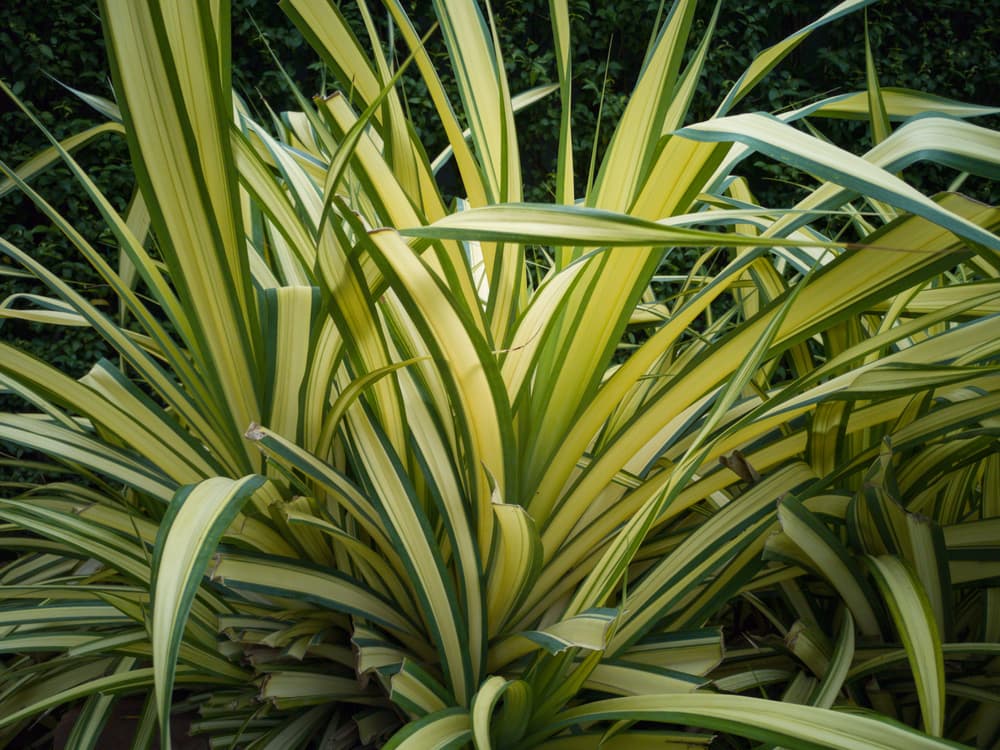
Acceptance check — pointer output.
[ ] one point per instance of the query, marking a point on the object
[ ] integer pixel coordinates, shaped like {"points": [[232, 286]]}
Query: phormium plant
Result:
{"points": [[371, 468]]}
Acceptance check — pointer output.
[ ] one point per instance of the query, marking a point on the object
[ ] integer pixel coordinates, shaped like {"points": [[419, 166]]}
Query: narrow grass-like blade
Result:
{"points": [[878, 116]]}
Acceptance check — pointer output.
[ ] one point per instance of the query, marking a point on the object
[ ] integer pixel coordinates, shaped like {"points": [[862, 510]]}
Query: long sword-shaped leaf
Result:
{"points": [[474, 384], [79, 449], [514, 562], [900, 104], [763, 720], [94, 715], [171, 69], [765, 62], [914, 618], [838, 665], [635, 140], [195, 521], [579, 226], [481, 709], [880, 525], [50, 693], [44, 159], [831, 559], [878, 115], [458, 637], [559, 14], [482, 85], [858, 283], [622, 678], [444, 730], [473, 175], [297, 375], [770, 136], [281, 578]]}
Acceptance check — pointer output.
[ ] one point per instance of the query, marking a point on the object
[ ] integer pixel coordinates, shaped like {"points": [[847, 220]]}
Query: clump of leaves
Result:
{"points": [[359, 476]]}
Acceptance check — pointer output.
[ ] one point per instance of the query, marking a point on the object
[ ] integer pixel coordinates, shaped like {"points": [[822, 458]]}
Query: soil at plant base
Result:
{"points": [[122, 724]]}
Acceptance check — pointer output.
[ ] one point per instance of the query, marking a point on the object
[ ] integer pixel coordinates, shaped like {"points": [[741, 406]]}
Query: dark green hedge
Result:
{"points": [[947, 47]]}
